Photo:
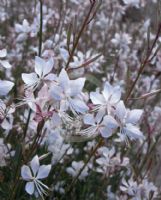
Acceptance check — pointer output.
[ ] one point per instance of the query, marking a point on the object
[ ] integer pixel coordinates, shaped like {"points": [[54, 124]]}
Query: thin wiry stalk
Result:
{"points": [[12, 195], [75, 44], [144, 63], [70, 188]]}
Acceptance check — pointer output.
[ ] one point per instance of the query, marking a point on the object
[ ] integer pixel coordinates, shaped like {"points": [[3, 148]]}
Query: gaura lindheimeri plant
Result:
{"points": [[80, 102]]}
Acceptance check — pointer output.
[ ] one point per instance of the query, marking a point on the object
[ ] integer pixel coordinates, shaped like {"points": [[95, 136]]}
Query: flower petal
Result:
{"points": [[30, 188], [3, 53], [5, 87], [121, 110], [26, 173], [64, 79], [43, 171], [39, 66], [97, 98], [76, 86], [35, 164], [48, 66], [5, 64], [107, 91], [134, 116], [30, 79], [89, 119]]}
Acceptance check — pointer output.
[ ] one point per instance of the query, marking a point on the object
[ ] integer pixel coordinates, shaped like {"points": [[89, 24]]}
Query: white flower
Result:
{"points": [[42, 70], [57, 146], [33, 175], [68, 92], [134, 3], [141, 190], [110, 97], [4, 63], [109, 160], [127, 120], [75, 168], [23, 30], [121, 40]]}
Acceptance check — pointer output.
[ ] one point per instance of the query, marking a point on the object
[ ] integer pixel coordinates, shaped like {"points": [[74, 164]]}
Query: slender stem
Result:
{"points": [[146, 60], [41, 27], [69, 189], [80, 33]]}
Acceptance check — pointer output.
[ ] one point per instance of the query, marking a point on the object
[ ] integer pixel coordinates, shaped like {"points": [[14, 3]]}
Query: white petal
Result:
{"points": [[78, 105], [39, 66], [26, 173], [5, 87], [64, 54], [3, 53], [30, 188], [89, 119], [48, 66], [50, 77], [30, 79], [110, 122], [21, 37], [64, 79], [35, 164], [18, 28], [107, 91], [43, 171], [106, 132], [134, 116], [101, 113], [116, 95], [76, 86], [132, 132], [120, 110], [56, 92], [5, 64], [97, 98]]}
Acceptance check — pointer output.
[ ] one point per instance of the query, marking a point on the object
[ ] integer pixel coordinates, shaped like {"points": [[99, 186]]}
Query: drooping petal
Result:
{"points": [[43, 171], [26, 173], [105, 132], [30, 188], [35, 165], [5, 87]]}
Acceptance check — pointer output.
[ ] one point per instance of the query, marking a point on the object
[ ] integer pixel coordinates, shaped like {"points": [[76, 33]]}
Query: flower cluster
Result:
{"points": [[80, 102]]}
